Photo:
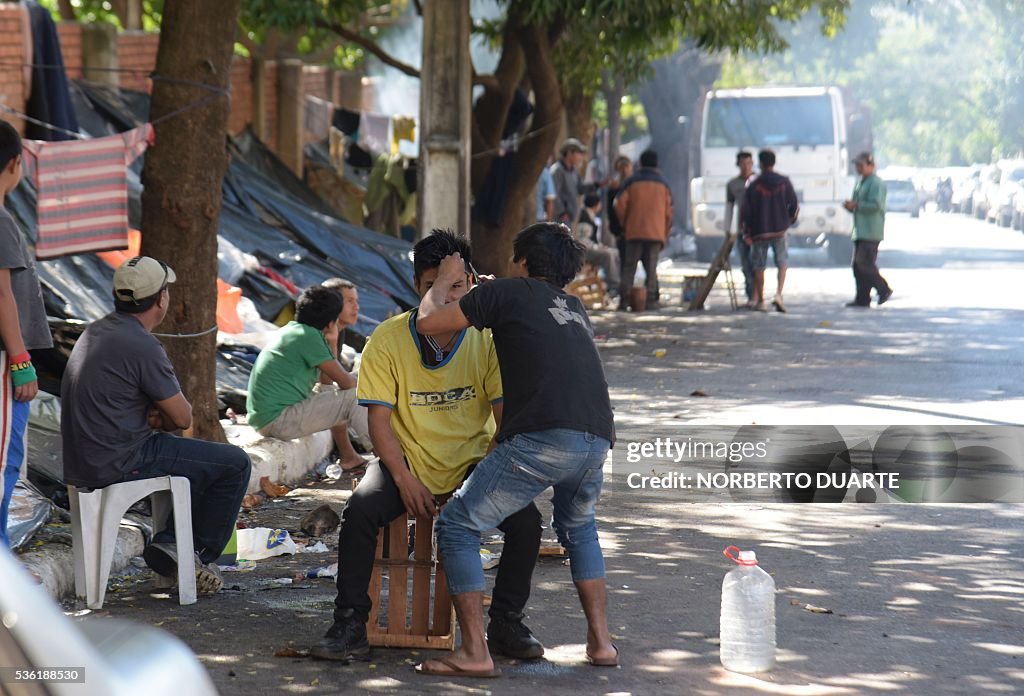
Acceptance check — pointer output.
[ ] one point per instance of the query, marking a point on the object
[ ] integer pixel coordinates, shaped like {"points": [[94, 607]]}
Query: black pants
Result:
{"points": [[218, 475], [376, 502], [640, 251], [865, 272]]}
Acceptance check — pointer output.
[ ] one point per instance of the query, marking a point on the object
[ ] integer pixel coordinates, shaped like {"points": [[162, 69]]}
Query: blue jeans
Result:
{"points": [[218, 475], [507, 480]]}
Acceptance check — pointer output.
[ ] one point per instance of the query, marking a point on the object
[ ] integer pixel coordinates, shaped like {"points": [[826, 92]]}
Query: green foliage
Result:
{"points": [[634, 118], [944, 80], [91, 11]]}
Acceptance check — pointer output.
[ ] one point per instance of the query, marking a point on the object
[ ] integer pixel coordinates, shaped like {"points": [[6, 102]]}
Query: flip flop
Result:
{"points": [[359, 468], [455, 671], [605, 661]]}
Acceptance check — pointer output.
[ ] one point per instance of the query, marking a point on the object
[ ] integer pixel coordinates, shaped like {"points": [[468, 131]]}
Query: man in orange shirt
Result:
{"points": [[644, 207]]}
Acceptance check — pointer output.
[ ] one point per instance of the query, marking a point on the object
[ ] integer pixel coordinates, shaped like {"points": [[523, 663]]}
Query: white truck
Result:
{"points": [[814, 131]]}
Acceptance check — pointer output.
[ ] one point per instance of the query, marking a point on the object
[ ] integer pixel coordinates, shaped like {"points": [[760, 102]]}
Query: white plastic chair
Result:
{"points": [[96, 516]]}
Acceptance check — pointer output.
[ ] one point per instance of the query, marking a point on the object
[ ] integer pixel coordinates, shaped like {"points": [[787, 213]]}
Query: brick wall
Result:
{"points": [[271, 92], [136, 50], [70, 34], [316, 82], [12, 56], [241, 95]]}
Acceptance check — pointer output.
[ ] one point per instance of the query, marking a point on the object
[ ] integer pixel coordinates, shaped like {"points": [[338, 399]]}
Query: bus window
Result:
{"points": [[759, 122]]}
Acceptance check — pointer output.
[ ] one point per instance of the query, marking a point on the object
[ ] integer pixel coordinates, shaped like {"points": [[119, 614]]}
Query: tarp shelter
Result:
{"points": [[267, 213]]}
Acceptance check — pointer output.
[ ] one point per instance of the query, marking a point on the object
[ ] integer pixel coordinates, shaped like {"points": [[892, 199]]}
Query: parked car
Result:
{"points": [[1017, 220], [902, 197], [50, 653], [963, 191], [987, 191], [1011, 173]]}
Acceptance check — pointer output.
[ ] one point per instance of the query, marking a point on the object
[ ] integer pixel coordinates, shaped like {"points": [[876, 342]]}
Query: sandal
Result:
{"points": [[605, 661], [455, 671]]}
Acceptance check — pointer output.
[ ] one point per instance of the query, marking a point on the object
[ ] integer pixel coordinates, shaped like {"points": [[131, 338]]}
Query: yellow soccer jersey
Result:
{"points": [[441, 414]]}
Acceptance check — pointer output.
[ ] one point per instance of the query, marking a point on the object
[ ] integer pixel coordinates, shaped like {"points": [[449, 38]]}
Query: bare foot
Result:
{"points": [[350, 464], [458, 664]]}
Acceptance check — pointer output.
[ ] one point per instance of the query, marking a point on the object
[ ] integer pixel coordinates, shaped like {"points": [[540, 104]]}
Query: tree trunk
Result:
{"points": [[670, 100], [67, 10], [182, 178], [492, 246], [579, 116]]}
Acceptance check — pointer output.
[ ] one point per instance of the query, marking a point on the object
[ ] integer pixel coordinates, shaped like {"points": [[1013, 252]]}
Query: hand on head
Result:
{"points": [[452, 269]]}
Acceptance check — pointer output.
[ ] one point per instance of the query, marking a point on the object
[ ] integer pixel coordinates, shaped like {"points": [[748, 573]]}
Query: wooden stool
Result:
{"points": [[415, 626], [589, 287]]}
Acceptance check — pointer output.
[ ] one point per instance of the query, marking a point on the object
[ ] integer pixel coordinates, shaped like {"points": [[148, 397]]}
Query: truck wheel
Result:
{"points": [[707, 247], [840, 249]]}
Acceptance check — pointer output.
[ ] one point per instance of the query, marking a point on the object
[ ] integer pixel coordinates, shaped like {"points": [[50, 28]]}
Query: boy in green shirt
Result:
{"points": [[282, 403]]}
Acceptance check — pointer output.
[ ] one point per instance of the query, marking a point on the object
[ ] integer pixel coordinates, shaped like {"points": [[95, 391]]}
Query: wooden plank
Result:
{"points": [[398, 585], [717, 265], [422, 551], [444, 611], [373, 625]]}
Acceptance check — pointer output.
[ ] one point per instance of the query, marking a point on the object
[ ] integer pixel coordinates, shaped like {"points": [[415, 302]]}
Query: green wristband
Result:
{"points": [[24, 376]]}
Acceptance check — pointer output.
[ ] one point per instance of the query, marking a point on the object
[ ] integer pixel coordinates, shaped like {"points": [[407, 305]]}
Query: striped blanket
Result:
{"points": [[83, 191]]}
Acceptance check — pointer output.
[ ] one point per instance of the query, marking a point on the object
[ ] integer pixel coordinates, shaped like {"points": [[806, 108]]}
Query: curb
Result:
{"points": [[283, 461]]}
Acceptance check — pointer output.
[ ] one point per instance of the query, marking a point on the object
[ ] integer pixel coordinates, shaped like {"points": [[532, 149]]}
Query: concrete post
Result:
{"points": [[290, 113], [99, 53], [350, 90], [446, 89], [259, 98]]}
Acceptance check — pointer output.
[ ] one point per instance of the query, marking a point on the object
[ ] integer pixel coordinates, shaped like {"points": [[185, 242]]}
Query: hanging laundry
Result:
{"points": [[346, 121], [82, 191], [402, 128], [375, 133], [318, 114]]}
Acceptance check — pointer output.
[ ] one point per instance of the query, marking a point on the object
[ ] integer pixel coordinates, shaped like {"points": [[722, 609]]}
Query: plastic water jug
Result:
{"points": [[747, 629]]}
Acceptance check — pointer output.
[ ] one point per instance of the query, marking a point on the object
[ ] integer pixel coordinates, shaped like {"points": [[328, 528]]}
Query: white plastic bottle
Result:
{"points": [[747, 629]]}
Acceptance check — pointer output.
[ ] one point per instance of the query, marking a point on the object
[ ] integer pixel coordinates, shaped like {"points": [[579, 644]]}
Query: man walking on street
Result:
{"points": [[868, 208], [735, 191], [644, 206], [770, 209]]}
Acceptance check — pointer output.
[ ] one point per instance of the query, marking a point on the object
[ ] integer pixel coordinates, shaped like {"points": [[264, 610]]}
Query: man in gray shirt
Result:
{"points": [[119, 401], [735, 191], [568, 187]]}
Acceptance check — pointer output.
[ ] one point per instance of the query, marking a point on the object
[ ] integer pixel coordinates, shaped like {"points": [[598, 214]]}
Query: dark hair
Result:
{"points": [[742, 155], [431, 250], [550, 252], [318, 306], [591, 199], [137, 307], [766, 158], [864, 158], [10, 143], [648, 158], [622, 160]]}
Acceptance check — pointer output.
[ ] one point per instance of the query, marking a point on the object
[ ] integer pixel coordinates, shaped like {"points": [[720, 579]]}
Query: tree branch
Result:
{"points": [[369, 45]]}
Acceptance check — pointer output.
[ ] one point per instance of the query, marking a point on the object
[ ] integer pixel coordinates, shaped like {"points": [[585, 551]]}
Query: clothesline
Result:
{"points": [[221, 92]]}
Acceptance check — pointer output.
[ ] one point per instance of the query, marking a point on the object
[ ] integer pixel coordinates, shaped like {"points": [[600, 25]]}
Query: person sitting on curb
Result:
{"points": [[282, 402], [119, 401], [588, 233], [556, 429], [431, 399]]}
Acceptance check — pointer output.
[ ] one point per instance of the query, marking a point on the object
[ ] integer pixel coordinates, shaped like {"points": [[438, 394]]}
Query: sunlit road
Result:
{"points": [[949, 345]]}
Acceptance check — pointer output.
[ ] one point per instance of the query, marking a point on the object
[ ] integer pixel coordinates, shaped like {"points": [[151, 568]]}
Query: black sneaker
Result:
{"points": [[162, 559], [345, 641], [882, 299], [510, 637]]}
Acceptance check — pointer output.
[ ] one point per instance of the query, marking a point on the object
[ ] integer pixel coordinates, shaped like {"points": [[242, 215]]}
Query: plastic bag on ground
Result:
{"points": [[262, 542]]}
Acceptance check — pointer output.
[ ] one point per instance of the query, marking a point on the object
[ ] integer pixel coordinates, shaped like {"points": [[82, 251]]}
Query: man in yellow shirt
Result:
{"points": [[434, 403]]}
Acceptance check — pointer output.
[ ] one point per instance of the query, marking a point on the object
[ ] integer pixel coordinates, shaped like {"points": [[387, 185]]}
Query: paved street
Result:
{"points": [[922, 599]]}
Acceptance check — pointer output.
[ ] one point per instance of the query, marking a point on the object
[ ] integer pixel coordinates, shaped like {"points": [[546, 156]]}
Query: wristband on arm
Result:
{"points": [[23, 373]]}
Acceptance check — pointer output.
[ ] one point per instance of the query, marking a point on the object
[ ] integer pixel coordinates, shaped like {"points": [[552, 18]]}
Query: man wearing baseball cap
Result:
{"points": [[568, 186], [120, 400]]}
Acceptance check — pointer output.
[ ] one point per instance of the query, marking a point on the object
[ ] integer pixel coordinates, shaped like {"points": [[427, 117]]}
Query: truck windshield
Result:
{"points": [[769, 121]]}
